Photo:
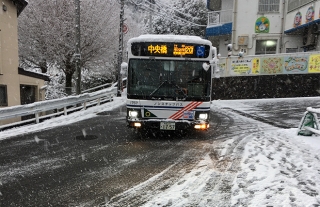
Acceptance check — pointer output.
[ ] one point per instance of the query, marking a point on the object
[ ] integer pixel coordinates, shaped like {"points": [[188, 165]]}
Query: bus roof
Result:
{"points": [[169, 38]]}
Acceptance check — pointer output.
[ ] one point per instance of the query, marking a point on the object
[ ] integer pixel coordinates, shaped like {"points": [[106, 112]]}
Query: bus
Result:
{"points": [[169, 79]]}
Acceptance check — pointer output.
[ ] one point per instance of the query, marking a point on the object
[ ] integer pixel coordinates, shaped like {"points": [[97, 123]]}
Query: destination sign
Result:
{"points": [[170, 49]]}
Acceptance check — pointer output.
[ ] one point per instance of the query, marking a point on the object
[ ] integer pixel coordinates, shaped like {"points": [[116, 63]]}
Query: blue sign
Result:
{"points": [[200, 51]]}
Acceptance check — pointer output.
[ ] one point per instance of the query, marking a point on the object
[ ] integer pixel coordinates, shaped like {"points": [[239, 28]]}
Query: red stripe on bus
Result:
{"points": [[181, 110], [190, 107]]}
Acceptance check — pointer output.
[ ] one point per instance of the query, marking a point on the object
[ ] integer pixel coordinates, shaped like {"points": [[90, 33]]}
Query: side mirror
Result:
{"points": [[206, 66]]}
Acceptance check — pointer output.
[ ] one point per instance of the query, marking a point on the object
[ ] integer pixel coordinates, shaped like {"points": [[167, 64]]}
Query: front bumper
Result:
{"points": [[179, 124]]}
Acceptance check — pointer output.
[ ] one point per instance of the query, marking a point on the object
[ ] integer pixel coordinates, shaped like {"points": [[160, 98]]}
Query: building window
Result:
{"points": [[3, 95], [28, 94], [292, 50], [269, 6], [295, 4], [266, 47]]}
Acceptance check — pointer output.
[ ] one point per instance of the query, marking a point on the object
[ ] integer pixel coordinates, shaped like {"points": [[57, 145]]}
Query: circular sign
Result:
{"points": [[125, 28]]}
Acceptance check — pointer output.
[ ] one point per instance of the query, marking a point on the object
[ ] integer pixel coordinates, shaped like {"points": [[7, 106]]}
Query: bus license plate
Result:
{"points": [[167, 126]]}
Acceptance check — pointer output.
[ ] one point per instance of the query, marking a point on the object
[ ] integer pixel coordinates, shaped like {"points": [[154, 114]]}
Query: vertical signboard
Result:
{"points": [[314, 64]]}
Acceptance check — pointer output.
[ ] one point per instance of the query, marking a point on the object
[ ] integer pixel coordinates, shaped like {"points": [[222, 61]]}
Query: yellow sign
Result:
{"points": [[183, 50], [255, 66], [241, 68], [158, 49], [245, 66], [314, 64]]}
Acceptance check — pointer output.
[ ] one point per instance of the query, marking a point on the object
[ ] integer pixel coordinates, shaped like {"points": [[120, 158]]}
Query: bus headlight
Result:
{"points": [[203, 116], [133, 114]]}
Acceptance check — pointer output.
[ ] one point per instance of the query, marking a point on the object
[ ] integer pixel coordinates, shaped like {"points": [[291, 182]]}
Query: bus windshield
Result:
{"points": [[168, 79]]}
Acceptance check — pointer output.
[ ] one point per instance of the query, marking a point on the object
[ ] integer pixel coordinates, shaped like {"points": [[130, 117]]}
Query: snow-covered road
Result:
{"points": [[250, 164], [244, 162]]}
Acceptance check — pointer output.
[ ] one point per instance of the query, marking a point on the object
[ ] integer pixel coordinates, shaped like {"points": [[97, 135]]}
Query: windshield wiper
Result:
{"points": [[181, 90], [153, 92], [171, 83]]}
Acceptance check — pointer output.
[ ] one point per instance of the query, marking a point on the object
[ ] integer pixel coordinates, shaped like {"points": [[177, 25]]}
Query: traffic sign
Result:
{"points": [[125, 28]]}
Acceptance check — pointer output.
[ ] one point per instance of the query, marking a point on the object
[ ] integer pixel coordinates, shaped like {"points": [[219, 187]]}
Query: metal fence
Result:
{"points": [[52, 108]]}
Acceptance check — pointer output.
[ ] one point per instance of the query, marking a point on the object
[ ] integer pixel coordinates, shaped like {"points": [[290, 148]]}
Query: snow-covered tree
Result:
{"points": [[47, 35], [184, 18]]}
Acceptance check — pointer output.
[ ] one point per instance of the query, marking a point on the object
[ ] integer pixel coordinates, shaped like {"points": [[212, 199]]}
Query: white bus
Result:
{"points": [[169, 82]]}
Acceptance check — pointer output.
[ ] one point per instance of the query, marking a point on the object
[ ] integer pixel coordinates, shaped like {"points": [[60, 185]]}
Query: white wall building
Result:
{"points": [[257, 27]]}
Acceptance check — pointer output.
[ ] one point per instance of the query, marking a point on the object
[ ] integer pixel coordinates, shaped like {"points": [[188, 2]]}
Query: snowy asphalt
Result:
{"points": [[98, 162]]}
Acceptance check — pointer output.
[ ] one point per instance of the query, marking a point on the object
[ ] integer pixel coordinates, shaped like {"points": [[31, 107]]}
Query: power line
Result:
{"points": [[157, 14]]}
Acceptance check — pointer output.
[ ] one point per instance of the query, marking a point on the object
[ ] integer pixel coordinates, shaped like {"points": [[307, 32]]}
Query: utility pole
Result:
{"points": [[150, 16], [120, 47], [77, 54]]}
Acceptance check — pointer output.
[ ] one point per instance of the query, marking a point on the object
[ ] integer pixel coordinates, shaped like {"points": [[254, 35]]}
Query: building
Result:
{"points": [[264, 26], [17, 86]]}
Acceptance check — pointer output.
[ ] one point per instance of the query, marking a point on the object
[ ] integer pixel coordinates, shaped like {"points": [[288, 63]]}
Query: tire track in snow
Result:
{"points": [[205, 180]]}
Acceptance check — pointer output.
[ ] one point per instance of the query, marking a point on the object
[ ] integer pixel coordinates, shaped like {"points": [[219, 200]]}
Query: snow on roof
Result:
{"points": [[169, 38], [20, 4]]}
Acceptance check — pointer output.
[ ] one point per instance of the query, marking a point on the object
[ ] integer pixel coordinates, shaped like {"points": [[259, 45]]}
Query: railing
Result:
{"points": [[51, 108], [309, 123], [107, 85], [219, 17]]}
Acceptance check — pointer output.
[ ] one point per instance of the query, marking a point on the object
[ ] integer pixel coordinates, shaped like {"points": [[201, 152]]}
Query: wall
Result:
{"points": [[289, 24], [296, 40], [9, 52], [245, 22], [226, 4]]}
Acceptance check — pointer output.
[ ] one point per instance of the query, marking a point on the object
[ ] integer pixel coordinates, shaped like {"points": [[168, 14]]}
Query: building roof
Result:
{"points": [[20, 4], [299, 29], [21, 71]]}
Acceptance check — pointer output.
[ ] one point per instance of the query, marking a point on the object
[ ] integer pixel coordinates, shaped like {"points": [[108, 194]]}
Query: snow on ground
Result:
{"points": [[282, 170], [278, 167], [278, 171]]}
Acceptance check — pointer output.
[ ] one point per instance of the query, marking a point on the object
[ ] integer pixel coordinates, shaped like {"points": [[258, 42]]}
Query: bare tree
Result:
{"points": [[183, 17], [47, 34]]}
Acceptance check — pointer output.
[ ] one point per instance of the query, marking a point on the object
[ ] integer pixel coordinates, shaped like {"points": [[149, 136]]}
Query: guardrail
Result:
{"points": [[47, 109], [107, 85], [309, 123]]}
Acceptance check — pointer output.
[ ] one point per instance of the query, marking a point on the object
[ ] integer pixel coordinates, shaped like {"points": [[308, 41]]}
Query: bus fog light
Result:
{"points": [[133, 114], [137, 124], [201, 126], [203, 116]]}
